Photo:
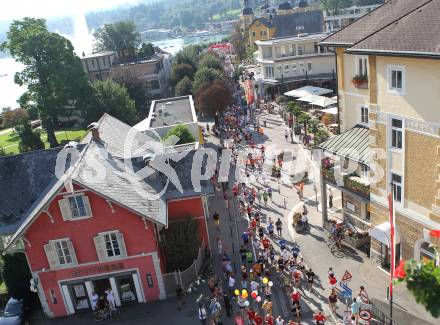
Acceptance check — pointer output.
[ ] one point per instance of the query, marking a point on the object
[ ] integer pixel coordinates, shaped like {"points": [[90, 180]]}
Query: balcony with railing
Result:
{"points": [[333, 173]]}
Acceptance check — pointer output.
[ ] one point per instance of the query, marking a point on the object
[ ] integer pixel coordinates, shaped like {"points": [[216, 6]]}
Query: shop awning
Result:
{"points": [[324, 101], [382, 233], [330, 110], [308, 98], [300, 92]]}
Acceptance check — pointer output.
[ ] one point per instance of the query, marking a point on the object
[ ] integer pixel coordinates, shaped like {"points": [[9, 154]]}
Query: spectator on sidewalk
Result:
{"points": [[180, 297], [219, 246], [355, 309], [203, 315], [330, 198], [332, 300], [279, 226], [228, 305], [231, 283], [243, 252]]}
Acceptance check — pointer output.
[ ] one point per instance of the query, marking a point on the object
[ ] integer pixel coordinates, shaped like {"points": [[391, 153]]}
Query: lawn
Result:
{"points": [[9, 141]]}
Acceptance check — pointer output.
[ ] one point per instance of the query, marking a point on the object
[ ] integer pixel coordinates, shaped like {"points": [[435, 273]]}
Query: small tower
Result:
{"points": [[284, 8], [247, 15]]}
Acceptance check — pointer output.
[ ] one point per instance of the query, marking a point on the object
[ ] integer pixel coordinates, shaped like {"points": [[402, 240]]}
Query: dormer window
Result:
{"points": [[75, 207]]}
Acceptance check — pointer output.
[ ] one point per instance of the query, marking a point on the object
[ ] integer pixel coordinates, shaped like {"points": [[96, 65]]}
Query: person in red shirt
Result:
{"points": [[268, 319], [295, 296], [251, 315], [258, 320], [291, 322], [319, 318], [265, 242], [238, 319], [332, 281]]}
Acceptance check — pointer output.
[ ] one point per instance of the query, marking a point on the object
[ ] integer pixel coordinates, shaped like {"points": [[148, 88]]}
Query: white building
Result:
{"points": [[346, 16], [292, 62]]}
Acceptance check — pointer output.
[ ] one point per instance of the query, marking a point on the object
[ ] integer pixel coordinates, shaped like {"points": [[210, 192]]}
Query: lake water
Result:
{"points": [[10, 92]]}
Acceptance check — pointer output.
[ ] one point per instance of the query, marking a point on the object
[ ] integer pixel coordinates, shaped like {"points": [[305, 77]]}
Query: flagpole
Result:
{"points": [[392, 249]]}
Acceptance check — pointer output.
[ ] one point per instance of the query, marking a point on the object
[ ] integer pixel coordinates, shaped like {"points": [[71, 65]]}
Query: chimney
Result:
{"points": [[95, 131]]}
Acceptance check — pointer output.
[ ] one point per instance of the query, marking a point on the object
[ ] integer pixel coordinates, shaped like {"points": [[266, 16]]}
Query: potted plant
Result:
{"points": [[360, 81]]}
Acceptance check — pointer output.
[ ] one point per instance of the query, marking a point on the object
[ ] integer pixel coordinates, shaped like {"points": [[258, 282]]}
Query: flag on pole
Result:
{"points": [[392, 236]]}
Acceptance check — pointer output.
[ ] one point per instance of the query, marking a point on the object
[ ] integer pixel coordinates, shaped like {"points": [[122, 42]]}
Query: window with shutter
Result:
{"points": [[121, 242], [72, 252], [51, 255], [100, 247], [66, 213]]}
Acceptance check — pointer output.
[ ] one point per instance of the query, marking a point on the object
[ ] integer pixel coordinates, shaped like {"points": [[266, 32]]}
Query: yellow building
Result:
{"points": [[388, 72], [285, 24]]}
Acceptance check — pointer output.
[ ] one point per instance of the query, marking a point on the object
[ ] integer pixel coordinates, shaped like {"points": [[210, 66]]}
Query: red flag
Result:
{"points": [[435, 233], [392, 233], [400, 270]]}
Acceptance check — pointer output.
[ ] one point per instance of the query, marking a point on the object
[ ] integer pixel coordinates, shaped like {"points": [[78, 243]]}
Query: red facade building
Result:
{"points": [[99, 227]]}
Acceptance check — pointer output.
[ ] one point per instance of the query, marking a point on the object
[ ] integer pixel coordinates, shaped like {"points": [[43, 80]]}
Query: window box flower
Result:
{"points": [[360, 82]]}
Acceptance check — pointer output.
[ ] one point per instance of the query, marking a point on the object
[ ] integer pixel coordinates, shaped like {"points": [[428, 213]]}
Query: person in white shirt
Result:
{"points": [[203, 315], [254, 286], [285, 254], [231, 283], [95, 299], [111, 298], [279, 320]]}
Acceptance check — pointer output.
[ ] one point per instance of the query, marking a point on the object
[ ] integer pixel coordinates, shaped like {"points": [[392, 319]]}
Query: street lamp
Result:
{"points": [[315, 189]]}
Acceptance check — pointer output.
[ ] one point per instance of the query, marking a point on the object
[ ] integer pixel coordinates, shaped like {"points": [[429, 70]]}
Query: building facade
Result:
{"points": [[98, 228], [98, 65], [155, 71], [387, 79], [346, 16], [291, 62]]}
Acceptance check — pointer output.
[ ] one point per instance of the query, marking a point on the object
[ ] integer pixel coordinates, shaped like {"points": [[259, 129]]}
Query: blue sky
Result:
{"points": [[15, 9]]}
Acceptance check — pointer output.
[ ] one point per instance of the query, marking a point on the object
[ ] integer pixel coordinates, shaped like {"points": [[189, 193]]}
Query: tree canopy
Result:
{"points": [[146, 50], [55, 79], [180, 71], [183, 87], [213, 98], [206, 75], [112, 98], [182, 132], [137, 89], [210, 60], [14, 117], [121, 37]]}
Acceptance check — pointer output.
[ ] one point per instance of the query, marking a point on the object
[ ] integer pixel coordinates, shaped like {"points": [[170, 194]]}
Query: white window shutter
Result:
{"points": [[66, 212], [51, 255], [87, 206], [121, 243], [72, 252], [101, 251]]}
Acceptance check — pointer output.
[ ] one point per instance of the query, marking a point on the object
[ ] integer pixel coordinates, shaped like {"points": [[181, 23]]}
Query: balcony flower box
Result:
{"points": [[328, 174], [357, 185], [360, 82]]}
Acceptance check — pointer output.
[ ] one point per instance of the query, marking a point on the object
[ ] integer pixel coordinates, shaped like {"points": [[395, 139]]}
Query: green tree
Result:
{"points": [[112, 98], [121, 37], [320, 136], [206, 75], [146, 50], [29, 140], [137, 89], [183, 87], [188, 55], [210, 60], [239, 40], [212, 99], [55, 79], [182, 132], [16, 275], [295, 110], [14, 117], [180, 71], [304, 119], [182, 244]]}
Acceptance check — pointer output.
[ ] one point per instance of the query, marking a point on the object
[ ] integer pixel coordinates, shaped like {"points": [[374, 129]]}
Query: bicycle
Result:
{"points": [[108, 312]]}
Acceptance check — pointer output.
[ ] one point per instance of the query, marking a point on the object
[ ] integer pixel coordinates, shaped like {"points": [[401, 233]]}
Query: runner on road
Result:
{"points": [[319, 318], [279, 226]]}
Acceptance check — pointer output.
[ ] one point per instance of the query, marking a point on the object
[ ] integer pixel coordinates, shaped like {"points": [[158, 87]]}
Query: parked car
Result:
{"points": [[13, 314]]}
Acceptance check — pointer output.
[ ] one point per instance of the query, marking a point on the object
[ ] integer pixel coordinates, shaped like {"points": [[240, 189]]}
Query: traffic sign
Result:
{"points": [[345, 287], [346, 277], [346, 294], [365, 314]]}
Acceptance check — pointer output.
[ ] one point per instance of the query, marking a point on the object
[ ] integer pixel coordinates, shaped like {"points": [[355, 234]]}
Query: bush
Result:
{"points": [[29, 140], [206, 75], [182, 244], [281, 99], [16, 275], [182, 133], [181, 71], [183, 87]]}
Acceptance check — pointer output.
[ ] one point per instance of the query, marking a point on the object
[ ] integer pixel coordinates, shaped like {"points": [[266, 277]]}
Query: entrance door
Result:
{"points": [[79, 296], [127, 290], [101, 286]]}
